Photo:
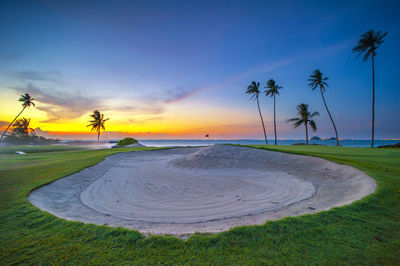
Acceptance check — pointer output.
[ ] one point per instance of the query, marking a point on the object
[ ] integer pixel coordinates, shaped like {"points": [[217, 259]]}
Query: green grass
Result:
{"points": [[346, 235], [39, 148]]}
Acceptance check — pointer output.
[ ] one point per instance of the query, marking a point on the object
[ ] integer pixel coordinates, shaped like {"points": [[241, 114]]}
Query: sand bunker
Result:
{"points": [[208, 189]]}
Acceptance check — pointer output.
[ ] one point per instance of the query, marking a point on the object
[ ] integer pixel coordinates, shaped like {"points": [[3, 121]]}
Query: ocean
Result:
{"points": [[346, 142], [183, 143]]}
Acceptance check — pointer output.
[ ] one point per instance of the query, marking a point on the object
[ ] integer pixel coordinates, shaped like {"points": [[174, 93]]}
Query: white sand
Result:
{"points": [[209, 189]]}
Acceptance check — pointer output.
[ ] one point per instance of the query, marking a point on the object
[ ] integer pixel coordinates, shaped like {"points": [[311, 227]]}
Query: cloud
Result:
{"points": [[3, 123], [179, 94], [268, 66], [53, 91], [42, 133], [11, 57], [153, 109], [142, 121], [60, 104], [51, 76]]}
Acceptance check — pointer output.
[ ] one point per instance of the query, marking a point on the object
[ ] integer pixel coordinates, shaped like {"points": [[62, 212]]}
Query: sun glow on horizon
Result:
{"points": [[178, 120]]}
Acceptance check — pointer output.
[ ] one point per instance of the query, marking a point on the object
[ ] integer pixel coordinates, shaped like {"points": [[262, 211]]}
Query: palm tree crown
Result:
{"points": [[369, 43], [253, 89], [27, 100], [317, 80], [273, 88], [304, 118], [98, 122]]}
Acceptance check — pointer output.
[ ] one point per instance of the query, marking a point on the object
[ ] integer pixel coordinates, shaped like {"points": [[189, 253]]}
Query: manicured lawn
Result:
{"points": [[365, 232], [39, 148]]}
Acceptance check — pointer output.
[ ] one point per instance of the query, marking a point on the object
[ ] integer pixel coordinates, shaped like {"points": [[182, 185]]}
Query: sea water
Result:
{"points": [[346, 142]]}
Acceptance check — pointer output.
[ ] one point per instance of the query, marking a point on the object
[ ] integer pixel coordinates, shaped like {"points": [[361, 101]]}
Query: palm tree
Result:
{"points": [[367, 45], [273, 90], [254, 90], [318, 81], [98, 122], [304, 118], [21, 127], [27, 101]]}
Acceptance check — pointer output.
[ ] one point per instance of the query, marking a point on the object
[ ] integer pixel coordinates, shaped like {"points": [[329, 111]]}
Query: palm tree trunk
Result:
{"points": [[306, 132], [373, 102], [98, 135], [333, 123], [11, 123], [274, 120], [262, 121]]}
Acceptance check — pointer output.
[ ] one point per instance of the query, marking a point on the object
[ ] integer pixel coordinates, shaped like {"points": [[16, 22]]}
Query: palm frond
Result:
{"points": [[298, 123], [369, 43], [304, 115], [98, 121], [273, 88], [292, 119], [317, 80], [253, 90], [313, 125]]}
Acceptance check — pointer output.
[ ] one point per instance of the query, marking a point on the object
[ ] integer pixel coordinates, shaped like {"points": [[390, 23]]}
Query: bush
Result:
{"points": [[127, 141]]}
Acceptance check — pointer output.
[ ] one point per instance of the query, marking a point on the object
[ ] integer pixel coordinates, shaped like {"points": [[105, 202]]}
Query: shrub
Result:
{"points": [[127, 141]]}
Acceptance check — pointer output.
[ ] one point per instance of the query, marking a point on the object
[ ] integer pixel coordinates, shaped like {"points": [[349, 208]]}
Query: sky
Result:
{"points": [[180, 69]]}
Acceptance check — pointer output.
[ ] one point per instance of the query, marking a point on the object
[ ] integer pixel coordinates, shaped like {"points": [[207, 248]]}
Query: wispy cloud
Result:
{"points": [[179, 94], [50, 76], [59, 104], [55, 96], [154, 109], [3, 123], [268, 66]]}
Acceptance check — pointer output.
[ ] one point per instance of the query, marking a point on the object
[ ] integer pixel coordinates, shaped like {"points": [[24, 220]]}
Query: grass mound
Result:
{"points": [[127, 141]]}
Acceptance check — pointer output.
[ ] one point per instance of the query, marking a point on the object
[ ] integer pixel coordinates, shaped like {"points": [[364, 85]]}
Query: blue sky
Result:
{"points": [[192, 60]]}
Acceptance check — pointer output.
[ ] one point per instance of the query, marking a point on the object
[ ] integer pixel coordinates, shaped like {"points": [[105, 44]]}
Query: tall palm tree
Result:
{"points": [[254, 90], [27, 101], [273, 90], [317, 80], [98, 122], [304, 118], [367, 46]]}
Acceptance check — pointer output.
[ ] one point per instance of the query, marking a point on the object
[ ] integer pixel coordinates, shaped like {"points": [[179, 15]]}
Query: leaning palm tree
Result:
{"points": [[254, 90], [318, 81], [27, 101], [97, 123], [304, 118], [367, 45], [273, 90]]}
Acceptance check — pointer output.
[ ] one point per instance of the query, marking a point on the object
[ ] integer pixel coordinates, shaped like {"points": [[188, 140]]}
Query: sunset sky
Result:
{"points": [[179, 69]]}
